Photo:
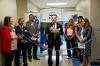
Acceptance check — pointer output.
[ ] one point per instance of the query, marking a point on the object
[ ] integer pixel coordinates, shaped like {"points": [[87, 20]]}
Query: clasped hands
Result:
{"points": [[81, 39]]}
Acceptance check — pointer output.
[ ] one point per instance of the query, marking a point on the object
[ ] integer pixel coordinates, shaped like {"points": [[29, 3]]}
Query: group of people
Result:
{"points": [[76, 35], [16, 39], [14, 42]]}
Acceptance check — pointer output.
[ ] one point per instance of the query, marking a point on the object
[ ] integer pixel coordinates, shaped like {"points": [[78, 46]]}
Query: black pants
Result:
{"points": [[35, 48], [8, 58], [21, 47], [71, 44], [57, 47]]}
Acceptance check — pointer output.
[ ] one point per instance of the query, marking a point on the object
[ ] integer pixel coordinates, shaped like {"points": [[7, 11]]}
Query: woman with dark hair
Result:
{"points": [[6, 41], [79, 56], [85, 34], [0, 34], [80, 19]]}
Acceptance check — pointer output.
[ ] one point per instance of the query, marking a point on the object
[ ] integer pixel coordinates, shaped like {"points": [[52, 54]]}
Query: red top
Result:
{"points": [[0, 39], [5, 39]]}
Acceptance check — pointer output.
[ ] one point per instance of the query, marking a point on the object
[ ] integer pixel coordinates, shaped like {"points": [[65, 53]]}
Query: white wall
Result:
{"points": [[67, 15], [84, 6], [21, 8], [95, 22], [63, 14], [44, 13], [7, 8], [32, 7], [69, 9]]}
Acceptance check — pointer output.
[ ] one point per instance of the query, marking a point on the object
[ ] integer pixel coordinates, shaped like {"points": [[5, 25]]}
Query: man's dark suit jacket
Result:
{"points": [[51, 38]]}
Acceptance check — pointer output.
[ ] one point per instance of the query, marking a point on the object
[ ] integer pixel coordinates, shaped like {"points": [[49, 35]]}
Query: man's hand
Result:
{"points": [[24, 41], [51, 28], [36, 35]]}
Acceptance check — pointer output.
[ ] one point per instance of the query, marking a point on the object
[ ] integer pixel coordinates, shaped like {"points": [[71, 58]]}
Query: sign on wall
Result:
{"points": [[46, 14]]}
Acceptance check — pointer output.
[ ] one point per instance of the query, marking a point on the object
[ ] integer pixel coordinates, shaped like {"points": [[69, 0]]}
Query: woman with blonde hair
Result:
{"points": [[22, 42], [70, 34]]}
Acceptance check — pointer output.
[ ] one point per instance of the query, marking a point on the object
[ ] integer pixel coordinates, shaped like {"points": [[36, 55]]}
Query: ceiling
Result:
{"points": [[42, 3]]}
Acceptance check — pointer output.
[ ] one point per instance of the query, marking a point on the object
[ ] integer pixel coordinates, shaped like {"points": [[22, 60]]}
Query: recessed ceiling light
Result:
{"points": [[54, 4]]}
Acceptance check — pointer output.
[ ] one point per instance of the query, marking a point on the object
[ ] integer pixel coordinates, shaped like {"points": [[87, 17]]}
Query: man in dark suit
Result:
{"points": [[53, 32], [22, 42]]}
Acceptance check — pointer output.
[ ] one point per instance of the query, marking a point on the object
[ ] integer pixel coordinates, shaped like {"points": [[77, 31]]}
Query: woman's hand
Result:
{"points": [[80, 39], [69, 38], [15, 37], [36, 35]]}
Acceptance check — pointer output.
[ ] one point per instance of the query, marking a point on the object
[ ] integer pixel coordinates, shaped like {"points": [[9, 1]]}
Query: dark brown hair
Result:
{"points": [[54, 15], [87, 23], [80, 17], [7, 21], [32, 15]]}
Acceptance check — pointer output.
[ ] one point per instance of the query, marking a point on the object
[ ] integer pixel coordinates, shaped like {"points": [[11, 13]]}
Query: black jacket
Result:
{"points": [[51, 38], [21, 32]]}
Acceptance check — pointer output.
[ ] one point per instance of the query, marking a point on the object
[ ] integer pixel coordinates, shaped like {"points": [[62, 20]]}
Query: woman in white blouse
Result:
{"points": [[14, 42]]}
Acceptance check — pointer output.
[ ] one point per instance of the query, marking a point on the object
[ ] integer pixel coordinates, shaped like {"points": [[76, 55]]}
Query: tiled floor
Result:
{"points": [[64, 62], [43, 62]]}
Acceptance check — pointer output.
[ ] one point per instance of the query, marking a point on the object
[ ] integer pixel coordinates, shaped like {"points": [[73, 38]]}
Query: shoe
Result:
{"points": [[30, 60], [68, 57], [36, 58], [89, 65], [82, 65], [41, 51], [50, 65], [25, 64], [57, 65]]}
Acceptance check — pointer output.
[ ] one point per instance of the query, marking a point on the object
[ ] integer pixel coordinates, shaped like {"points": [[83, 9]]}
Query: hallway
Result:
{"points": [[42, 11]]}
